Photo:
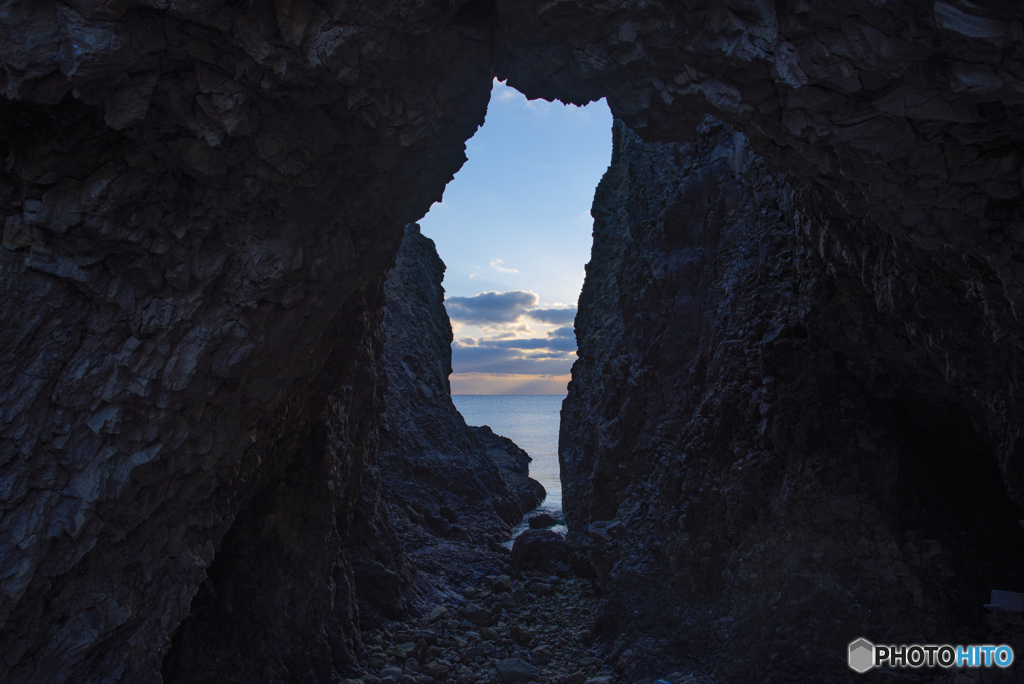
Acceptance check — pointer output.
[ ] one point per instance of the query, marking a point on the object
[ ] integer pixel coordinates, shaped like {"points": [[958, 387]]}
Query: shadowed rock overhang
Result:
{"points": [[201, 200]]}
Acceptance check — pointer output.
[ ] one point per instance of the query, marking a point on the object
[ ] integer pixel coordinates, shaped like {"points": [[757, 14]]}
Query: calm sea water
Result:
{"points": [[530, 421]]}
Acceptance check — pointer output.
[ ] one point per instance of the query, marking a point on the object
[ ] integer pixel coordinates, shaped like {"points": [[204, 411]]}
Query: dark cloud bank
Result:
{"points": [[504, 307]]}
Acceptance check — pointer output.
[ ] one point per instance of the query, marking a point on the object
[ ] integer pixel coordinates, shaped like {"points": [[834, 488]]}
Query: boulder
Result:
{"points": [[516, 670], [538, 549], [542, 521], [477, 614]]}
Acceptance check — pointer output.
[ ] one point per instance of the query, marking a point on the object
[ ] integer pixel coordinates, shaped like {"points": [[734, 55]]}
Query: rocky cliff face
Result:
{"points": [[784, 430], [442, 496], [201, 201], [415, 512]]}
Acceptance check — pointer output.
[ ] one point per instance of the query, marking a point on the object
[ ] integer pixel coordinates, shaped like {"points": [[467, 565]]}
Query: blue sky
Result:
{"points": [[514, 230]]}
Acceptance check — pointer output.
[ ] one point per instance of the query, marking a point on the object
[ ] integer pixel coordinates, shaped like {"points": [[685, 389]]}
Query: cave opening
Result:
{"points": [[514, 230], [949, 489]]}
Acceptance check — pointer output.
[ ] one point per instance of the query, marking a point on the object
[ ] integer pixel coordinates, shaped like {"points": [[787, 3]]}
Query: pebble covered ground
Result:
{"points": [[508, 631]]}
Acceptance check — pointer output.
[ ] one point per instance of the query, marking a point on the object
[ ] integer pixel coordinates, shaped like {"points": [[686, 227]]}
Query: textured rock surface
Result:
{"points": [[514, 465], [441, 499], [910, 112], [784, 428], [386, 517], [539, 620], [200, 201], [538, 549]]}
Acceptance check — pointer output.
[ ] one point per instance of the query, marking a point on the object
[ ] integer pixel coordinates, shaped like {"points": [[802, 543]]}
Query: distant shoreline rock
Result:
{"points": [[444, 495]]}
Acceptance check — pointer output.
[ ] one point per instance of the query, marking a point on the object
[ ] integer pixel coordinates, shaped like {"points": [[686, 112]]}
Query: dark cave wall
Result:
{"points": [[197, 198], [909, 112], [280, 602], [792, 431], [389, 506]]}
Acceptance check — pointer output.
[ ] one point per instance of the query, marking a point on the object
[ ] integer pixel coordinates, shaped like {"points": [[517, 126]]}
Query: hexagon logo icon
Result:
{"points": [[861, 655]]}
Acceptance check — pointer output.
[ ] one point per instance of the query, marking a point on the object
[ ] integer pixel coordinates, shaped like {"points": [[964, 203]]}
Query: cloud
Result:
{"points": [[490, 359], [506, 307], [567, 331], [562, 344], [552, 356], [475, 276], [496, 264], [529, 356], [491, 307], [553, 316]]}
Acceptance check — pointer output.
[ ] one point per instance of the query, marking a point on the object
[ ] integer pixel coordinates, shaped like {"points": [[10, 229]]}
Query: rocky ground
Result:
{"points": [[536, 627]]}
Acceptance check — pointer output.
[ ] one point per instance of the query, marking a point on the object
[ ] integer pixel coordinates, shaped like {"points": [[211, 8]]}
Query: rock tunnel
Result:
{"points": [[799, 337]]}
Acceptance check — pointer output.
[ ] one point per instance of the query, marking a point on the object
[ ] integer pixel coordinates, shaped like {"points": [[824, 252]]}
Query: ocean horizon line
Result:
{"points": [[508, 395]]}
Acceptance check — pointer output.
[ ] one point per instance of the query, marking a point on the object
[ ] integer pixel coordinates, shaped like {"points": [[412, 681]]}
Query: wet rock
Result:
{"points": [[516, 670], [542, 521], [437, 613]]}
